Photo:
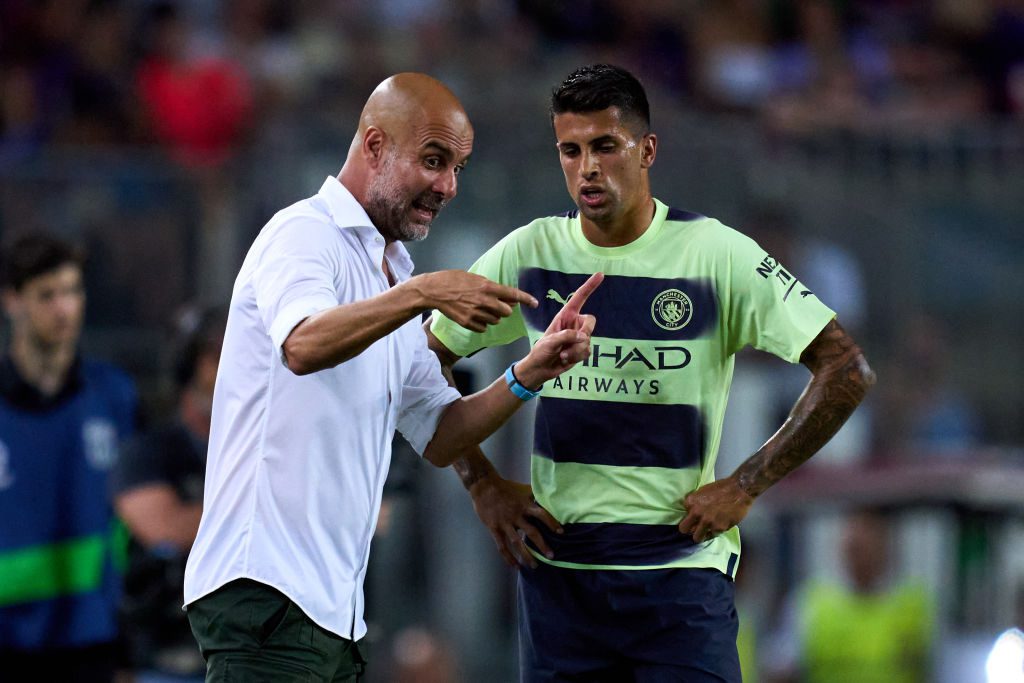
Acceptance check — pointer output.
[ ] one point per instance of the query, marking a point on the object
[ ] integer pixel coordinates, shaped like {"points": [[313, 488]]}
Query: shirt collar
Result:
{"points": [[348, 213], [23, 395]]}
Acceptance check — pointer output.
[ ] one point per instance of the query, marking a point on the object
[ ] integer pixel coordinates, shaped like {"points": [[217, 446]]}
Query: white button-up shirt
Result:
{"points": [[296, 465]]}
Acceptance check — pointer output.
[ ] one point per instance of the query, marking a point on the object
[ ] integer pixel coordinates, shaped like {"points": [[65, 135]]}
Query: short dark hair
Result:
{"points": [[599, 86], [201, 333], [29, 256]]}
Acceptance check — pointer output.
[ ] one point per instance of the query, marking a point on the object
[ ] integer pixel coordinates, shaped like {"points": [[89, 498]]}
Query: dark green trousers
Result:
{"points": [[252, 633]]}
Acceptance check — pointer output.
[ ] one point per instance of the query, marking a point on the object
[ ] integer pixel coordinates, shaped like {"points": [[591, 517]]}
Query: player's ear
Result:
{"points": [[648, 150]]}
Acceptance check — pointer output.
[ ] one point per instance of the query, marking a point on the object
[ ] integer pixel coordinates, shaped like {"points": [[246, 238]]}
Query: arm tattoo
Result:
{"points": [[841, 379], [472, 467]]}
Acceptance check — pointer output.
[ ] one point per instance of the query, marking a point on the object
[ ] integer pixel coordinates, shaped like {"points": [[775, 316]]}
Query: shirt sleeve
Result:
{"points": [[500, 263], [425, 396], [296, 276], [140, 462], [768, 307]]}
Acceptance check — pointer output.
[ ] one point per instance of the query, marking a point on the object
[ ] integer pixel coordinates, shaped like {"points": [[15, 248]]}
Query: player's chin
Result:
{"points": [[594, 212]]}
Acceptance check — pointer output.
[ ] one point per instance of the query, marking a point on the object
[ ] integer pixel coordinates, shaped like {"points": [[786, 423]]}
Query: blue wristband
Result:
{"points": [[517, 388]]}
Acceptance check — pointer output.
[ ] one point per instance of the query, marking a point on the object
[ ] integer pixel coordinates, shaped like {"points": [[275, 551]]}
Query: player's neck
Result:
{"points": [[620, 230], [43, 367]]}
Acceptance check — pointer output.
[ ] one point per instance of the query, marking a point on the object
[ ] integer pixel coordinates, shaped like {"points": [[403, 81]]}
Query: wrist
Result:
{"points": [[744, 487], [417, 285], [473, 468], [528, 375], [480, 484], [517, 387]]}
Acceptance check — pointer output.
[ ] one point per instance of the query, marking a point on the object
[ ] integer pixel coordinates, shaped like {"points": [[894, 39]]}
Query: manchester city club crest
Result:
{"points": [[672, 309]]}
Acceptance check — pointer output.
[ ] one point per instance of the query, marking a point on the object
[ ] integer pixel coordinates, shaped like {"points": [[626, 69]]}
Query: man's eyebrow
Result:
{"points": [[436, 146], [602, 139], [596, 141]]}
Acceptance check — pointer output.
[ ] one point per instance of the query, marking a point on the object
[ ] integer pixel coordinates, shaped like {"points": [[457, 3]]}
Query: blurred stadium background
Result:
{"points": [[876, 146]]}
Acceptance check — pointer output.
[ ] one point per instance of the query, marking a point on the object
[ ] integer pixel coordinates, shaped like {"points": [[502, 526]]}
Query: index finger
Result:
{"points": [[511, 294], [582, 293]]}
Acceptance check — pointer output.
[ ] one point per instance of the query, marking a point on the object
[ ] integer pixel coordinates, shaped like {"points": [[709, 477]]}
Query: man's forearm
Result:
{"points": [[469, 421], [331, 337], [471, 465], [841, 379]]}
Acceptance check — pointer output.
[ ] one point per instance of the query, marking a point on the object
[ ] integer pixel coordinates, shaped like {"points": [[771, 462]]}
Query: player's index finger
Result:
{"points": [[584, 291]]}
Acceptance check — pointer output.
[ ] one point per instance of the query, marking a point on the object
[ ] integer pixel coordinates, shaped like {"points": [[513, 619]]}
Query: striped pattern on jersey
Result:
{"points": [[622, 437]]}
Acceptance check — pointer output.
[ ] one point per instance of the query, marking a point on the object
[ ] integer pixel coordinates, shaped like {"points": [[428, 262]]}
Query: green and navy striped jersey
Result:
{"points": [[622, 437]]}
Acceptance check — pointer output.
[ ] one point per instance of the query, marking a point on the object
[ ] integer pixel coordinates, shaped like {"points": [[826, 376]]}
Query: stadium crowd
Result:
{"points": [[205, 78]]}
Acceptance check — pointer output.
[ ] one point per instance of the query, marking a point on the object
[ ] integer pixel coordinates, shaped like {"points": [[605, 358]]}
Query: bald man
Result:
{"points": [[323, 359]]}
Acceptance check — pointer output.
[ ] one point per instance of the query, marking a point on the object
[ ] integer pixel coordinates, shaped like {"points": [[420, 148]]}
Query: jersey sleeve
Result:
{"points": [[500, 263], [425, 395], [768, 307], [295, 276]]}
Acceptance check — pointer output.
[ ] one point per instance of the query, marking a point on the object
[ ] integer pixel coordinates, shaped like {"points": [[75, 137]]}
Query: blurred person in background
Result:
{"points": [[419, 656], [636, 582], [871, 627], [323, 360], [924, 408], [157, 486], [62, 417], [198, 106]]}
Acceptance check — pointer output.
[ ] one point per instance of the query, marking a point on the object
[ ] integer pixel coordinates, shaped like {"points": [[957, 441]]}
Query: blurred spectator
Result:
{"points": [[198, 107], [1001, 56], [830, 74], [732, 54], [21, 128], [61, 418], [870, 628], [653, 38], [842, 72], [100, 103], [260, 37], [924, 411], [418, 656], [752, 604], [158, 491]]}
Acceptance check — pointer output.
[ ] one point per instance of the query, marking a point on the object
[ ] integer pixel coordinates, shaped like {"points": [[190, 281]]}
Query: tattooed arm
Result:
{"points": [[841, 378]]}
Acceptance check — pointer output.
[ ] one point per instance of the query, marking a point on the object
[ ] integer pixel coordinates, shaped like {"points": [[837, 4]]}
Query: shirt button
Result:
{"points": [[379, 240]]}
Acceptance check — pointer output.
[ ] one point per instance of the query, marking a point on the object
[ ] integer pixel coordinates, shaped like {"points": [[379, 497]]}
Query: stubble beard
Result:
{"points": [[388, 211]]}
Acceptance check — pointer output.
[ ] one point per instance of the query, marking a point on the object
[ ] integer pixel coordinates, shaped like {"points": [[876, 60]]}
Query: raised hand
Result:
{"points": [[565, 342], [470, 300]]}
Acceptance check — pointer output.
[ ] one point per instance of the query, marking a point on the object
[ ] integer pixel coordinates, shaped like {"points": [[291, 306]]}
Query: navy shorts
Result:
{"points": [[647, 626]]}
